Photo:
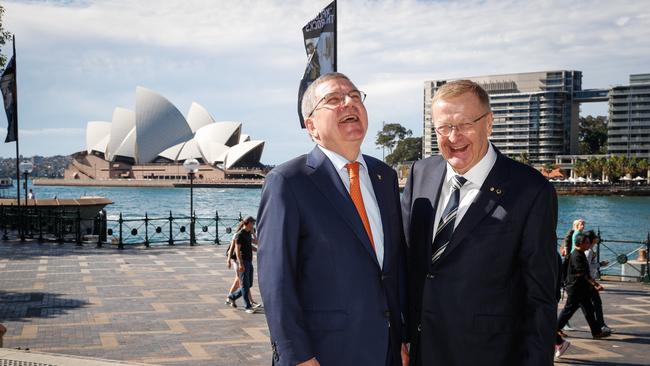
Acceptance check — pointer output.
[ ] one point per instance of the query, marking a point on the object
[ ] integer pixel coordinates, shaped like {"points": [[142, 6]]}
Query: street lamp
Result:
{"points": [[25, 167], [191, 166]]}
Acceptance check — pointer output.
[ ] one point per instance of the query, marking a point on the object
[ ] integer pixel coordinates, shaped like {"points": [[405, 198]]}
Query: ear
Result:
{"points": [[311, 128], [490, 121]]}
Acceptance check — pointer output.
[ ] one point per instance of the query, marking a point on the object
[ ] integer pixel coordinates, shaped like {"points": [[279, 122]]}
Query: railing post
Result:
{"points": [[646, 277], [100, 226], [120, 244], [146, 230], [192, 229], [598, 252], [40, 225], [59, 225], [4, 222], [216, 227], [78, 226], [171, 234]]}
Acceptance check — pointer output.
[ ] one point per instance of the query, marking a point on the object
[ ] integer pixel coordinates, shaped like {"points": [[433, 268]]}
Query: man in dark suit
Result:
{"points": [[480, 232], [331, 262]]}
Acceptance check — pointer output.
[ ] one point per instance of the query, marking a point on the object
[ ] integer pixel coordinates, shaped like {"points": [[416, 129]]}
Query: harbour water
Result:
{"points": [[621, 218]]}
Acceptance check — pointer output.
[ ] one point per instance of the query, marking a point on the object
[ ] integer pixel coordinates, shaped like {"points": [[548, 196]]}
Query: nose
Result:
{"points": [[454, 134]]}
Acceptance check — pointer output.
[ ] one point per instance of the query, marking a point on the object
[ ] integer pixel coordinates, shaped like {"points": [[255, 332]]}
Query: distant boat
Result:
{"points": [[6, 182]]}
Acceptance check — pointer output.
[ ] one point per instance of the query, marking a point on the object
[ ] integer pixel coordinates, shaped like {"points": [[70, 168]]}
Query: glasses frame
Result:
{"points": [[458, 128], [363, 98]]}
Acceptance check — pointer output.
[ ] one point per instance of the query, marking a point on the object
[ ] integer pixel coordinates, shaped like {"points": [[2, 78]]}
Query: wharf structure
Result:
{"points": [[151, 143], [536, 114]]}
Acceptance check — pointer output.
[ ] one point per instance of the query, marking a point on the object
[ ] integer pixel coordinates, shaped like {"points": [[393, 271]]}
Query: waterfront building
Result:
{"points": [[535, 113], [628, 131], [154, 140]]}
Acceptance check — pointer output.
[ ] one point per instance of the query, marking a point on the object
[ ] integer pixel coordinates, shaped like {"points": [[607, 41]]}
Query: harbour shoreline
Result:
{"points": [[562, 189]]}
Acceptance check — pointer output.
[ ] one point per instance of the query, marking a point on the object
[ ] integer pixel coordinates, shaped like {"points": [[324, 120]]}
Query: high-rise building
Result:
{"points": [[628, 131], [535, 113]]}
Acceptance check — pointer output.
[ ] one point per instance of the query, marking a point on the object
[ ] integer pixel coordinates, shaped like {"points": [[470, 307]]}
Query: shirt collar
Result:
{"points": [[339, 161], [480, 171]]}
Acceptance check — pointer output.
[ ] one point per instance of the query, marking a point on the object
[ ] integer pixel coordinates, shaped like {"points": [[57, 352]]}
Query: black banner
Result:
{"points": [[8, 86], [320, 44]]}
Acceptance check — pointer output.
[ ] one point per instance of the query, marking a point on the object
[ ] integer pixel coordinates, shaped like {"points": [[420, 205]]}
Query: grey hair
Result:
{"points": [[309, 100], [457, 88]]}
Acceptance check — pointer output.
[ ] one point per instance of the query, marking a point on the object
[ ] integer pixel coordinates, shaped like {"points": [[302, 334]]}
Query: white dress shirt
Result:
{"points": [[368, 194], [468, 192]]}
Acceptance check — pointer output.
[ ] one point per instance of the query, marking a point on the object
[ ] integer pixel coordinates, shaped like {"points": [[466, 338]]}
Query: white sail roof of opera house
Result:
{"points": [[97, 136], [198, 117], [157, 129], [123, 123], [249, 151], [158, 125]]}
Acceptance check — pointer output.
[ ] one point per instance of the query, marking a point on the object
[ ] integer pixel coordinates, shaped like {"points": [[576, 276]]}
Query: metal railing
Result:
{"points": [[68, 225], [618, 254]]}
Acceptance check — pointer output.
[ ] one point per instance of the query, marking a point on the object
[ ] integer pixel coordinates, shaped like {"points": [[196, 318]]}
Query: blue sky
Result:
{"points": [[242, 60]]}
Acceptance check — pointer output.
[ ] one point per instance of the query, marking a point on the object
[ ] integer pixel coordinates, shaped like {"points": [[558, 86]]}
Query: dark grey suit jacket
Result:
{"points": [[490, 298]]}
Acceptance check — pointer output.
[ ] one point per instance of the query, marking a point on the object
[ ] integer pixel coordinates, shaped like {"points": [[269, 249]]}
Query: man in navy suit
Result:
{"points": [[480, 232], [331, 267]]}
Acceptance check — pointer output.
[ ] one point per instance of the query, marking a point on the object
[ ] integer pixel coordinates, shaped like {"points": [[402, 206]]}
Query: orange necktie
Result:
{"points": [[355, 194]]}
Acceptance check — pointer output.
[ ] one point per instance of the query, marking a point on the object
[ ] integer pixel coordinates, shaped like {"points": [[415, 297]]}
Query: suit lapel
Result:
{"points": [[383, 192], [432, 184], [327, 180], [487, 199]]}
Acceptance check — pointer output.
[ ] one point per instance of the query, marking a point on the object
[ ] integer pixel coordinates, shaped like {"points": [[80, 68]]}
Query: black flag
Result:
{"points": [[320, 44], [8, 86]]}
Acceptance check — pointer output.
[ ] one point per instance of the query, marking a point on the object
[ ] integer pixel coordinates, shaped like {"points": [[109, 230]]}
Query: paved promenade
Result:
{"points": [[164, 306]]}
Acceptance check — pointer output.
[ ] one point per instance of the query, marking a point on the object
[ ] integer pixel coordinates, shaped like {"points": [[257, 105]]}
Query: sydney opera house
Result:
{"points": [[153, 141]]}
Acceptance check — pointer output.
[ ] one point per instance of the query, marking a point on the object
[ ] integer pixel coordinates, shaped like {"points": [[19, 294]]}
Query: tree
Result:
{"points": [[592, 135], [390, 135], [408, 149], [4, 37]]}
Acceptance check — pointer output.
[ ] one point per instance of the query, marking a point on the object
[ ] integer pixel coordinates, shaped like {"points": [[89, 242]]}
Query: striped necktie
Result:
{"points": [[446, 224], [357, 198]]}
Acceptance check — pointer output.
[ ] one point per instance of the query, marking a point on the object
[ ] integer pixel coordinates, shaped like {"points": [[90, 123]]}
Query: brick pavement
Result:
{"points": [[165, 306]]}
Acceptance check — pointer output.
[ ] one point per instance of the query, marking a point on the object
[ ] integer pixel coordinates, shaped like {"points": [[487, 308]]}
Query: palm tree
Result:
{"points": [[580, 168]]}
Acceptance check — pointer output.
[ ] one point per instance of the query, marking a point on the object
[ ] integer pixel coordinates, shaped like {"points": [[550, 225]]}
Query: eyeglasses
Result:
{"points": [[336, 99], [463, 128]]}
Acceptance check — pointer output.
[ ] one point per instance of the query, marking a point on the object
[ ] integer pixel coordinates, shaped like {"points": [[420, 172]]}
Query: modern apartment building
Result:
{"points": [[628, 131], [535, 113]]}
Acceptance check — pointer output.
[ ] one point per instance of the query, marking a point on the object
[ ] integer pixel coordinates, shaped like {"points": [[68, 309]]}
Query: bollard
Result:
{"points": [[40, 225], [192, 228]]}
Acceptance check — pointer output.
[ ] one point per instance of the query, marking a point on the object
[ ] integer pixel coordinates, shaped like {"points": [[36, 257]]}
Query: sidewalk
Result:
{"points": [[164, 306]]}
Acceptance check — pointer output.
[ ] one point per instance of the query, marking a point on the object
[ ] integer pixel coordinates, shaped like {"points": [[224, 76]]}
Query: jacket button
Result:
{"points": [[419, 327]]}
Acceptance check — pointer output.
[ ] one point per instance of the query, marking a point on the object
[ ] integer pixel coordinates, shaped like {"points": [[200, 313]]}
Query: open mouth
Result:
{"points": [[459, 149], [349, 119]]}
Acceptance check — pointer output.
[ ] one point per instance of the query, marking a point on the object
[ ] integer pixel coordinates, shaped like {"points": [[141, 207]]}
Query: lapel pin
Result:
{"points": [[499, 191], [491, 189], [379, 176]]}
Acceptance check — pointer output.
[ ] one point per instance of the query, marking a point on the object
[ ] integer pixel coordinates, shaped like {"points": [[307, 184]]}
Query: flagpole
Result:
{"points": [[336, 45], [15, 92]]}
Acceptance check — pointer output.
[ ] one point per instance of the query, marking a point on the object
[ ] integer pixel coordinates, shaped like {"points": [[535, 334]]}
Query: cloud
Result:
{"points": [[242, 60]]}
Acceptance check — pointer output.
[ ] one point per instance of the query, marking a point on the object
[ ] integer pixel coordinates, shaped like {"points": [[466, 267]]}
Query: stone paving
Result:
{"points": [[164, 306]]}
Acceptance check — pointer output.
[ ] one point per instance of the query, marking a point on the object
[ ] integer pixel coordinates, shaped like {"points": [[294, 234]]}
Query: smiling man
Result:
{"points": [[480, 231], [331, 260]]}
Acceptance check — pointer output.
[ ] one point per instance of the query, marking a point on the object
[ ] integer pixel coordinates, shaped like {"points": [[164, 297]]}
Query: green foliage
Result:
{"points": [[407, 149], [592, 135], [391, 134]]}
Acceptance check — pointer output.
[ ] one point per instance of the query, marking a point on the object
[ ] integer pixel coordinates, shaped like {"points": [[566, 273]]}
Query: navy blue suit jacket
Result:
{"points": [[324, 293], [490, 298]]}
